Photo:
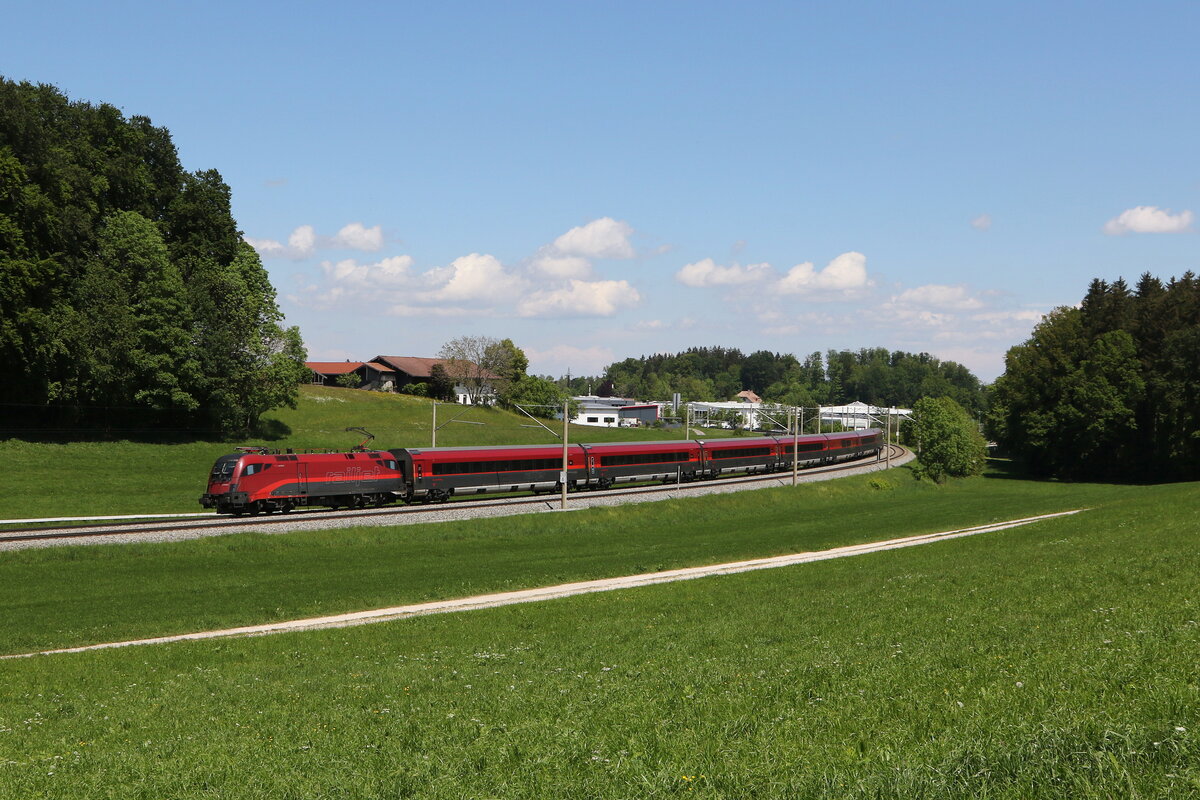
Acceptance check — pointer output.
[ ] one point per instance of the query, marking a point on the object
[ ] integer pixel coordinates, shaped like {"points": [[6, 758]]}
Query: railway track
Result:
{"points": [[125, 529]]}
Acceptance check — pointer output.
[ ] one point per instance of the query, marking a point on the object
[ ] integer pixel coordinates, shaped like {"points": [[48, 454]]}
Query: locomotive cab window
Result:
{"points": [[223, 470]]}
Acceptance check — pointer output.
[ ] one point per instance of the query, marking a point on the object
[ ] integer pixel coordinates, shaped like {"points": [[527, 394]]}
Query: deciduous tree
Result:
{"points": [[948, 441]]}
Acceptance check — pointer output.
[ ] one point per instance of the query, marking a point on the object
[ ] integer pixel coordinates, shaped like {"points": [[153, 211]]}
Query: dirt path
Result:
{"points": [[562, 590]]}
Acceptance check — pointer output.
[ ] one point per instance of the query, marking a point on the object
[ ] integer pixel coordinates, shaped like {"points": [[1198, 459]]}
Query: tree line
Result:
{"points": [[1110, 389], [127, 295], [873, 375]]}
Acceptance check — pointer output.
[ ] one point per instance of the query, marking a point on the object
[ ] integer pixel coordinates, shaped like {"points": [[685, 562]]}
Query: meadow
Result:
{"points": [[1055, 660], [89, 478]]}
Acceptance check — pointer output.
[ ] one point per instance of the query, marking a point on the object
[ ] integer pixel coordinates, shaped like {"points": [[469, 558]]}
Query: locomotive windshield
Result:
{"points": [[222, 471]]}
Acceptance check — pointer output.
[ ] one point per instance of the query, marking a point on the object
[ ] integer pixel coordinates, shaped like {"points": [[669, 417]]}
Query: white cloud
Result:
{"points": [[390, 273], [982, 223], [651, 325], [709, 273], [474, 277], [476, 283], [933, 295], [1148, 219], [301, 244], [601, 238], [267, 248], [357, 237], [304, 242], [1009, 316], [561, 267], [580, 299], [846, 274], [404, 310]]}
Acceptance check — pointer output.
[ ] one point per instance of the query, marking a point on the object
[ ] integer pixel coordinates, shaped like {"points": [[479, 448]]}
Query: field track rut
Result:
{"points": [[561, 590]]}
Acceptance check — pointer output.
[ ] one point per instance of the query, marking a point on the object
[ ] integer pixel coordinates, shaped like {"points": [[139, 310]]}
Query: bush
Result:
{"points": [[947, 440]]}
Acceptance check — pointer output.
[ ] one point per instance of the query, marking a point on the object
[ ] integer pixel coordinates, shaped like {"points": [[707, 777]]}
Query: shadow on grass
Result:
{"points": [[1015, 470], [269, 430], [1009, 470]]}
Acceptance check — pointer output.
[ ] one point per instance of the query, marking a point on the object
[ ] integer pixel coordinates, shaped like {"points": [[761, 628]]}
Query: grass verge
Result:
{"points": [[1056, 660]]}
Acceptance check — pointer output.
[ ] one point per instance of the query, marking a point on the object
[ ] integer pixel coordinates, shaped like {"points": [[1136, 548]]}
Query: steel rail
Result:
{"points": [[133, 527]]}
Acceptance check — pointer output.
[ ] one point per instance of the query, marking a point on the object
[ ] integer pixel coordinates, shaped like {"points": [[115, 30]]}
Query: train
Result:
{"points": [[257, 480]]}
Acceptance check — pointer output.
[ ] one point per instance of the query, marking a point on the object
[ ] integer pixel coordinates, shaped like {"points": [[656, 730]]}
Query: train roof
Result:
{"points": [[757, 441], [662, 444], [482, 449]]}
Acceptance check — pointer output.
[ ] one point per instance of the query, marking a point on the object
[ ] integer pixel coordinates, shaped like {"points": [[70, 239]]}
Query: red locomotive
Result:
{"points": [[262, 481], [266, 481]]}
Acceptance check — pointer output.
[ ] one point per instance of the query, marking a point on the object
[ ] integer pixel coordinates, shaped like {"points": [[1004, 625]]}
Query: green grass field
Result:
{"points": [[123, 477], [1056, 660]]}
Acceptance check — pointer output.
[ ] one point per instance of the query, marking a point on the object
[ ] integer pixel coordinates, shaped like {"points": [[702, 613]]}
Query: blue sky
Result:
{"points": [[598, 181]]}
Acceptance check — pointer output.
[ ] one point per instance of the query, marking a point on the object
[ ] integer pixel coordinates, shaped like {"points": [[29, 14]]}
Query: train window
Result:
{"points": [[593, 419], [644, 458], [476, 467], [741, 452]]}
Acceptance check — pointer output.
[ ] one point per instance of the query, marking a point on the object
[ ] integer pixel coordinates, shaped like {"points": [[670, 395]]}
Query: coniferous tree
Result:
{"points": [[1108, 390]]}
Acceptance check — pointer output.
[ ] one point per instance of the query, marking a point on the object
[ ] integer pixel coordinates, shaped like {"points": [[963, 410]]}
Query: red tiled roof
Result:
{"points": [[416, 367], [333, 367], [409, 365]]}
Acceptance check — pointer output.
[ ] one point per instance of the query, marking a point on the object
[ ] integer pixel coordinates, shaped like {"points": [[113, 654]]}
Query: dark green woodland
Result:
{"points": [[1111, 389], [128, 300], [872, 375]]}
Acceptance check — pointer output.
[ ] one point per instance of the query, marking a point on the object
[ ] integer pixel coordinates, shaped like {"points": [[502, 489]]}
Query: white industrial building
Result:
{"points": [[611, 412], [708, 415], [858, 415]]}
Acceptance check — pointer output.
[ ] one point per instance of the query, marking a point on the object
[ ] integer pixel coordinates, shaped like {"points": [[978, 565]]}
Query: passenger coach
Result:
{"points": [[261, 481]]}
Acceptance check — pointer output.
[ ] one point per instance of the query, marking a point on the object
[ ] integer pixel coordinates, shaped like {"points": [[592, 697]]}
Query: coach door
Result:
{"points": [[302, 479]]}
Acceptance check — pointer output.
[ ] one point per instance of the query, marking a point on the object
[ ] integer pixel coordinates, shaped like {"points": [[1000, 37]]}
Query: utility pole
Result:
{"points": [[564, 469], [434, 443], [888, 439], [796, 445]]}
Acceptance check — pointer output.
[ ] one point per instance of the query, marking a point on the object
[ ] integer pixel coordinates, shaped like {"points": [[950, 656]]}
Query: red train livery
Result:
{"points": [[253, 482]]}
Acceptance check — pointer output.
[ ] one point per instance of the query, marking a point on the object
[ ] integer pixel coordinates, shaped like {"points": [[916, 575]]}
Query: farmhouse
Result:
{"points": [[411, 369], [397, 373], [370, 374]]}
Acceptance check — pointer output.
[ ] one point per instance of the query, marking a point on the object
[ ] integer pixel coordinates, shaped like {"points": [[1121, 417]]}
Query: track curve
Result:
{"points": [[157, 530]]}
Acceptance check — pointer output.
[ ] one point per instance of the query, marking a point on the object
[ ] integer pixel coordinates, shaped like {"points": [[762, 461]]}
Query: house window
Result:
{"points": [[593, 419], [610, 419]]}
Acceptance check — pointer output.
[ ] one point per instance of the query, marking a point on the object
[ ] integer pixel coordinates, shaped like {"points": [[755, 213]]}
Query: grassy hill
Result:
{"points": [[1056, 660], [126, 477]]}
